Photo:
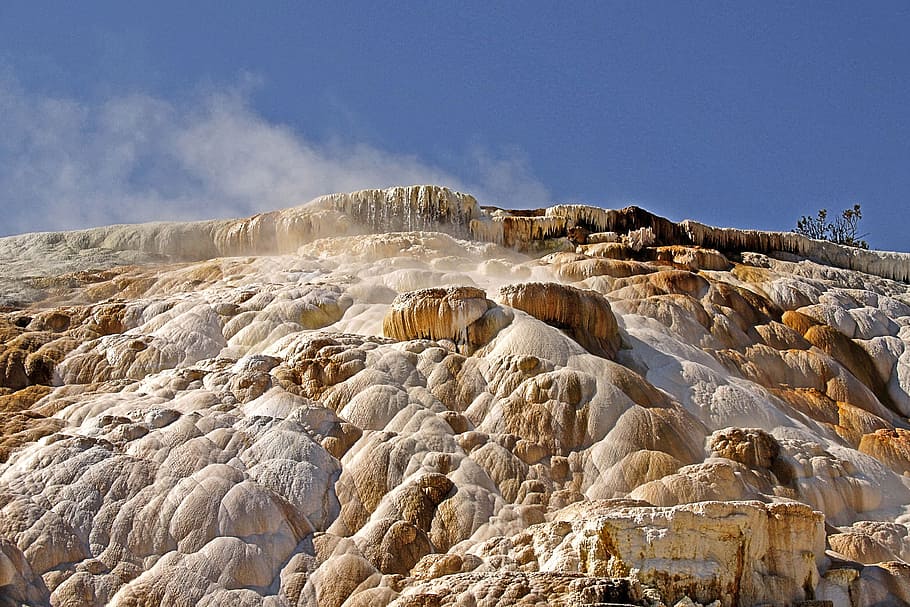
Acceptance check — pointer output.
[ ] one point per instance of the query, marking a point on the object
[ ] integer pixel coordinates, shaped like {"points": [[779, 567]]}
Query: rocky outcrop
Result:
{"points": [[557, 221], [462, 315], [524, 588], [890, 445], [747, 553], [339, 415], [752, 447], [895, 266], [692, 258], [584, 315], [407, 209]]}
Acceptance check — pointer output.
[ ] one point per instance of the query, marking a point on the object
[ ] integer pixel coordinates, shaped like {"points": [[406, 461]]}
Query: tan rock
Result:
{"points": [[518, 588], [635, 469], [585, 315], [394, 546], [337, 579], [462, 314], [889, 445], [748, 552], [607, 250], [692, 258], [710, 481], [575, 268], [236, 431], [860, 547], [750, 446]]}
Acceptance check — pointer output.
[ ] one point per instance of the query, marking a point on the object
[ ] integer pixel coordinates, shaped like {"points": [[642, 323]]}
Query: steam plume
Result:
{"points": [[67, 163]]}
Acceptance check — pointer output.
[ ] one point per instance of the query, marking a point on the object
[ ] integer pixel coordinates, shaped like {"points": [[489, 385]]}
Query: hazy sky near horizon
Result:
{"points": [[731, 114]]}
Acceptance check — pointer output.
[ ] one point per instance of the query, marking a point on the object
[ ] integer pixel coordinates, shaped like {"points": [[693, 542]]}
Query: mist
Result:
{"points": [[67, 163]]}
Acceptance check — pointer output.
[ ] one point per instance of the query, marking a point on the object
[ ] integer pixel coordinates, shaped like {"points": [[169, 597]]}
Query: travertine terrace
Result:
{"points": [[402, 397]]}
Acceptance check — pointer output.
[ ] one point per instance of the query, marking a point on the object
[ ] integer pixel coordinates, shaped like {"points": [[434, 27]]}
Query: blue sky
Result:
{"points": [[732, 114]]}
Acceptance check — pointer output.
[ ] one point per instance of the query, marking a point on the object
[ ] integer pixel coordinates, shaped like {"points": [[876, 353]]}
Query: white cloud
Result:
{"points": [[67, 164], [506, 179]]}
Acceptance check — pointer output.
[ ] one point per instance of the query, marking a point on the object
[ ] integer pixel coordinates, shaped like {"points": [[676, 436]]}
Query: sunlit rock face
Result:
{"points": [[401, 397], [741, 549]]}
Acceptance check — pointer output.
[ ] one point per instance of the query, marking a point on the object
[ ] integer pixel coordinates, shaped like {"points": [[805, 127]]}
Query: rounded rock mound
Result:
{"points": [[585, 316], [750, 446], [462, 315]]}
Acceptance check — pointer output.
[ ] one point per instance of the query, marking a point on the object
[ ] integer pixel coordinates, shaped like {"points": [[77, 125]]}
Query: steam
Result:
{"points": [[66, 163]]}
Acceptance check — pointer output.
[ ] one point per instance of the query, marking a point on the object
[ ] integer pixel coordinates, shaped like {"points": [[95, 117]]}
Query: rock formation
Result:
{"points": [[401, 397], [584, 315], [462, 315]]}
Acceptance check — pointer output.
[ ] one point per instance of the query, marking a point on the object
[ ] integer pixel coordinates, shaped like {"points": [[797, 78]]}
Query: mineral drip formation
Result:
{"points": [[401, 397]]}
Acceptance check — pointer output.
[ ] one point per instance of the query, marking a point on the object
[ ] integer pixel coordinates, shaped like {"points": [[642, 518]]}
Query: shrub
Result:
{"points": [[843, 230]]}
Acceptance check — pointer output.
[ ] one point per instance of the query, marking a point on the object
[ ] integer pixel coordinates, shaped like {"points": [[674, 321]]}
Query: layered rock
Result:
{"points": [[462, 315], [746, 553], [407, 209], [337, 415], [585, 315]]}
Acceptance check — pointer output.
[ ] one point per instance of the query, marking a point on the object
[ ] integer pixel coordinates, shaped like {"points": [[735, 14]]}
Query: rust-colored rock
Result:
{"points": [[750, 446], [891, 446], [585, 316], [462, 315]]}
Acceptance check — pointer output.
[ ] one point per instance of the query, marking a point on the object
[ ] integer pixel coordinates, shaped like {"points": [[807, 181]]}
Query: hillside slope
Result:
{"points": [[401, 397]]}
